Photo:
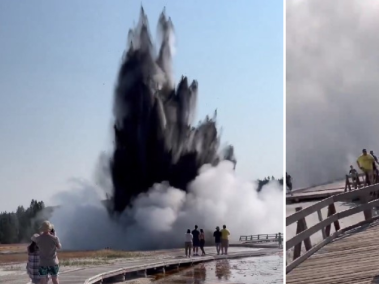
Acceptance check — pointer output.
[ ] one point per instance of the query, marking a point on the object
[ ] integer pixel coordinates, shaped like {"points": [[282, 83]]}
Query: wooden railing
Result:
{"points": [[261, 238], [368, 197], [351, 182]]}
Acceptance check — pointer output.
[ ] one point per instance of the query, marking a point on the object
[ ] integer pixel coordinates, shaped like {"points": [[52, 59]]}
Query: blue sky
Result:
{"points": [[58, 65]]}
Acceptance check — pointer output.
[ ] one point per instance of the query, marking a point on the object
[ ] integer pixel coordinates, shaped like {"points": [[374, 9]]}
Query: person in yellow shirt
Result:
{"points": [[224, 240], [365, 163]]}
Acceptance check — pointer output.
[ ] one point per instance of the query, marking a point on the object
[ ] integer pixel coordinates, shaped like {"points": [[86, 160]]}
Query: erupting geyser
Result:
{"points": [[155, 139]]}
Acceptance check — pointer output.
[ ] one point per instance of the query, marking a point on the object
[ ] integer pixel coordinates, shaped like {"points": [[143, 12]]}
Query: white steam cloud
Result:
{"points": [[160, 217], [332, 86]]}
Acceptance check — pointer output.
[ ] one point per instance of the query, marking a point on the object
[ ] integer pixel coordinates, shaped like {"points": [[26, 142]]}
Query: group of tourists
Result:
{"points": [[367, 163], [196, 239], [43, 260], [42, 255]]}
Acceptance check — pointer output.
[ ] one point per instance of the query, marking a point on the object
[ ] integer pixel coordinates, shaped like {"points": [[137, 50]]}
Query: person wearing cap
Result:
{"points": [[217, 236], [365, 163], [48, 244]]}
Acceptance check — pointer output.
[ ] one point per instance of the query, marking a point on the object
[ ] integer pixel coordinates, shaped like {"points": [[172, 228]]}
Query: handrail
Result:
{"points": [[364, 194], [260, 237], [347, 196]]}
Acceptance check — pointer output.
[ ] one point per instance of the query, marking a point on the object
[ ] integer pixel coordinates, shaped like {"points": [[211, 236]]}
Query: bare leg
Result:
{"points": [[44, 280], [55, 279]]}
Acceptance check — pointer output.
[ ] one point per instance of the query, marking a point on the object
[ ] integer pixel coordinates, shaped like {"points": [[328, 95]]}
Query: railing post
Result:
{"points": [[367, 213], [320, 219], [301, 226], [332, 211]]}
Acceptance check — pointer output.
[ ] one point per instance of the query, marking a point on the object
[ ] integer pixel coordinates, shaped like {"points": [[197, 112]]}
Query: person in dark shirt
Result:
{"points": [[376, 172], [289, 182], [217, 236], [355, 177], [196, 241]]}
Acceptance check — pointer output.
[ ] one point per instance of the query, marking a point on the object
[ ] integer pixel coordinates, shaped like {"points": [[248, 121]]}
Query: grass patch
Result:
{"points": [[83, 262], [83, 256]]}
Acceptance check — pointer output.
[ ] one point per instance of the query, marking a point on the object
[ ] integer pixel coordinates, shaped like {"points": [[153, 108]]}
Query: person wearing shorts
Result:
{"points": [[196, 241], [48, 245], [224, 240], [365, 163]]}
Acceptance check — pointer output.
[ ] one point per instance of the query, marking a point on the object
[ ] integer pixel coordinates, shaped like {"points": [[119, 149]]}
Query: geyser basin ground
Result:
{"points": [[81, 268]]}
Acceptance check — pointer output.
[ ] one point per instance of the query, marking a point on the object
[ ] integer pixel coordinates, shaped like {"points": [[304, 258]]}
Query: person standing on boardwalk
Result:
{"points": [[224, 240], [375, 168], [354, 175], [217, 236], [289, 183], [202, 241], [188, 243], [365, 163], [48, 245], [196, 241]]}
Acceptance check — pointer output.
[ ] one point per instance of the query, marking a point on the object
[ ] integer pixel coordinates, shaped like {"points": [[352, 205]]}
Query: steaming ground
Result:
{"points": [[158, 219], [332, 86]]}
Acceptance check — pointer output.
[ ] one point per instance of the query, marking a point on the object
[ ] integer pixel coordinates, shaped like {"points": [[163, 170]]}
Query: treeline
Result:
{"points": [[266, 180], [19, 226]]}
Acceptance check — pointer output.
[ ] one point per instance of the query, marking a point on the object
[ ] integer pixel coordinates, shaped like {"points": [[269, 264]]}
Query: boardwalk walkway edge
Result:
{"points": [[163, 264]]}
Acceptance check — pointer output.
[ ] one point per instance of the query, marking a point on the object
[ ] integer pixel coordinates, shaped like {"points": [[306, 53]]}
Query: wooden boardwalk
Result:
{"points": [[305, 196], [351, 258], [169, 259]]}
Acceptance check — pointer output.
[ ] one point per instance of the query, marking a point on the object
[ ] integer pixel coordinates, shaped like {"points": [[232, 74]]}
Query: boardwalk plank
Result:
{"points": [[352, 258]]}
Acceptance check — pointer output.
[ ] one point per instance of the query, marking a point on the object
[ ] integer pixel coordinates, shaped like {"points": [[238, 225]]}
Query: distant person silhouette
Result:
{"points": [[188, 243], [196, 241], [354, 175], [202, 241], [375, 168], [289, 183], [217, 236], [224, 240]]}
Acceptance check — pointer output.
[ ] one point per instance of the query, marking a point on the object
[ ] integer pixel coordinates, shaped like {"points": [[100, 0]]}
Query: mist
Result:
{"points": [[332, 87], [165, 175], [159, 218]]}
